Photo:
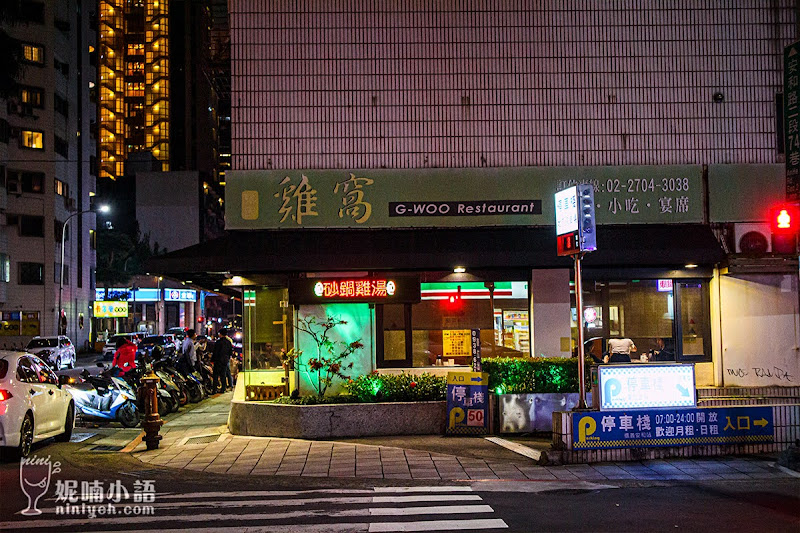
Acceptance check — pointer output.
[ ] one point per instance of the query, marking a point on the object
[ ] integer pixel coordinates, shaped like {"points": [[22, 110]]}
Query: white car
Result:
{"points": [[57, 351], [111, 344], [33, 405]]}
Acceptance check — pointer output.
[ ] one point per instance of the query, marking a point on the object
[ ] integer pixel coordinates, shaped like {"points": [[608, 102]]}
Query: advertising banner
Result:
{"points": [[467, 403], [411, 198], [391, 289], [648, 385], [672, 427], [110, 309]]}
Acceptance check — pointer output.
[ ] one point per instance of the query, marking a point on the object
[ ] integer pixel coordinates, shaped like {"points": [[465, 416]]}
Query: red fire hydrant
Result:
{"points": [[152, 422]]}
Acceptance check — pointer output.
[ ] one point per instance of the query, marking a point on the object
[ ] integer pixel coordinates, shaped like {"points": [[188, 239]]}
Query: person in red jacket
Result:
{"points": [[125, 356]]}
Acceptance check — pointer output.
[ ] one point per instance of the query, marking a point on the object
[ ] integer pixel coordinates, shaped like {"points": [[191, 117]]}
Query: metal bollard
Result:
{"points": [[152, 422]]}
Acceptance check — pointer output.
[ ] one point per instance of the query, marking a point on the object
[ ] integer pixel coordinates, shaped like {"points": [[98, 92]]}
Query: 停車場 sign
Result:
{"points": [[643, 386], [467, 402], [672, 427]]}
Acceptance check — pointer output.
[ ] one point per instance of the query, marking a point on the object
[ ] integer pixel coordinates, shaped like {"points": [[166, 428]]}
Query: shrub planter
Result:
{"points": [[524, 413], [259, 419]]}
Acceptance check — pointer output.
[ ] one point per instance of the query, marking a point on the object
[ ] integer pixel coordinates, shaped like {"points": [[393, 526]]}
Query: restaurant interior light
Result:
{"points": [[459, 269]]}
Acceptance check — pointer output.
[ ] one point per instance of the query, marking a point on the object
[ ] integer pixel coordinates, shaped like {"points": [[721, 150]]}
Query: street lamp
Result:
{"points": [[102, 209]]}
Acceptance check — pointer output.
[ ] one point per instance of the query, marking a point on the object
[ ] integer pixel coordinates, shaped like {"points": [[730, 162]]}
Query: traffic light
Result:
{"points": [[586, 225], [785, 220], [453, 303]]}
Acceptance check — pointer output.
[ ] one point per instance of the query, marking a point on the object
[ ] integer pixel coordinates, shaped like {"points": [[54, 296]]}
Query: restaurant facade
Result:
{"points": [[395, 168]]}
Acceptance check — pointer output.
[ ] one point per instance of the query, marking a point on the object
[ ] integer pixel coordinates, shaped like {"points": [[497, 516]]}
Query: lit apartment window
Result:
{"points": [[33, 53], [32, 139], [136, 49], [135, 68], [134, 89], [62, 189], [33, 96]]}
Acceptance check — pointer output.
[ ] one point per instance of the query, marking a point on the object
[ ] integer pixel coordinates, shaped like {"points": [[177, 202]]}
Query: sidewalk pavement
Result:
{"points": [[198, 440]]}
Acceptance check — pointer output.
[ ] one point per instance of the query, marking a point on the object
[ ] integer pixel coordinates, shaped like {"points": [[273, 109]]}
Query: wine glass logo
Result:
{"points": [[34, 478]]}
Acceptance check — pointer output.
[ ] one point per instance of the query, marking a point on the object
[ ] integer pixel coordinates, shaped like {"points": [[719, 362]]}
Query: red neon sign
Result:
{"points": [[355, 288]]}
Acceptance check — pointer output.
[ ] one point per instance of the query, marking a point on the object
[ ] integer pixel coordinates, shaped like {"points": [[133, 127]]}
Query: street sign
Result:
{"points": [[575, 220], [467, 403], [791, 119], [644, 386], [672, 427], [476, 350]]}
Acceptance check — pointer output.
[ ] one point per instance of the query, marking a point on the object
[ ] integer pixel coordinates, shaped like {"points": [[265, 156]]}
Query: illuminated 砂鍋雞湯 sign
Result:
{"points": [[371, 290]]}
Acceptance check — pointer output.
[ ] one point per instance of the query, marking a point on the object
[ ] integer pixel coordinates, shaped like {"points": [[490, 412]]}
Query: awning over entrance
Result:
{"points": [[289, 251]]}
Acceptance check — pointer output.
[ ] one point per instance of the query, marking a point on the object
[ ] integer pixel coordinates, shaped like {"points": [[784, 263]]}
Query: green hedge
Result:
{"points": [[397, 388], [530, 375]]}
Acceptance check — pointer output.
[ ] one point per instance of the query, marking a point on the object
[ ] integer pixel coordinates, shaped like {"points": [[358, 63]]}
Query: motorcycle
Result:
{"points": [[105, 397], [166, 404]]}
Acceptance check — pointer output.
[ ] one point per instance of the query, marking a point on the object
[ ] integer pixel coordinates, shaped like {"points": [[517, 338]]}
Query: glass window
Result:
{"points": [[46, 375], [437, 330], [264, 329], [33, 96], [26, 372], [57, 271], [3, 368], [5, 268], [62, 189], [31, 226], [33, 53], [32, 139], [32, 182], [645, 311], [31, 273]]}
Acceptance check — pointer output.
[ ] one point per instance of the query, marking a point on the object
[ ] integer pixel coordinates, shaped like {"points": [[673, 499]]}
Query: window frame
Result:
{"points": [[22, 140], [27, 264], [33, 46]]}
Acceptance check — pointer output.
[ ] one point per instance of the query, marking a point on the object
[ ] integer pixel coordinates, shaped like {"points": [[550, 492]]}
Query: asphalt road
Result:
{"points": [[210, 502]]}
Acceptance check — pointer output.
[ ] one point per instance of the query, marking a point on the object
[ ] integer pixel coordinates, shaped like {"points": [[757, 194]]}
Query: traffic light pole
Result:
{"points": [[579, 313]]}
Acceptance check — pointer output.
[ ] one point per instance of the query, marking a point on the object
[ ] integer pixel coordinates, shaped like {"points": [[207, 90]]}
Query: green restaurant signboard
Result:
{"points": [[472, 197]]}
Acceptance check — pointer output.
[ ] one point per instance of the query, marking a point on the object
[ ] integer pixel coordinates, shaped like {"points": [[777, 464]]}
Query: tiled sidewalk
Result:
{"points": [[198, 440]]}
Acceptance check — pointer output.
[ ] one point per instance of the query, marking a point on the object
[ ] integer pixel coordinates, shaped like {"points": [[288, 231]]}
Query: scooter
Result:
{"points": [[105, 397], [166, 404]]}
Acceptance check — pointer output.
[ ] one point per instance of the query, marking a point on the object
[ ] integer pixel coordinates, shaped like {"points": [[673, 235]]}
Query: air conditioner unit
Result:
{"points": [[753, 238]]}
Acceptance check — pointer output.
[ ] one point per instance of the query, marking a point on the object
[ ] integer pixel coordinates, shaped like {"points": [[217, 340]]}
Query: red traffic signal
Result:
{"points": [[785, 222]]}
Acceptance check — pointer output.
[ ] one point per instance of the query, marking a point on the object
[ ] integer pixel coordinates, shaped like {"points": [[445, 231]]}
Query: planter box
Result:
{"points": [[524, 413], [335, 421]]}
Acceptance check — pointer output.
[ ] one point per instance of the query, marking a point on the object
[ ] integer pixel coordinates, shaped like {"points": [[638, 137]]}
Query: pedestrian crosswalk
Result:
{"points": [[376, 509]]}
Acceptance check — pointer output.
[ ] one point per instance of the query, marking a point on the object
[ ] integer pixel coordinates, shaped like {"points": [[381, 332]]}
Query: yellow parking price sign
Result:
{"points": [[456, 343], [467, 403]]}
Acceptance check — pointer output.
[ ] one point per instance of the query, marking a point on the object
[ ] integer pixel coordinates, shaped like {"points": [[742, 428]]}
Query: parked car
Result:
{"points": [[148, 343], [180, 333], [111, 346], [57, 351], [171, 337], [33, 405]]}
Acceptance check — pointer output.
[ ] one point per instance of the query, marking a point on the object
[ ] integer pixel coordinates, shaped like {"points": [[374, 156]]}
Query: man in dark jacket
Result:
{"points": [[125, 356], [221, 357]]}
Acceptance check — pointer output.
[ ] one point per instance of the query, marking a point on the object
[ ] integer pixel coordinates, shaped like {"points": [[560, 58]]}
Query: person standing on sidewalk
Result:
{"points": [[223, 350], [188, 352]]}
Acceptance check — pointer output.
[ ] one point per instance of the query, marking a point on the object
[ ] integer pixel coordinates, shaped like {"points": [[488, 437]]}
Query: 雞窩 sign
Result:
{"points": [[646, 385], [467, 402], [672, 427]]}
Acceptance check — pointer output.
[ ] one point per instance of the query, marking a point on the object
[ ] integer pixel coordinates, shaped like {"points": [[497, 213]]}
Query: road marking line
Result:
{"points": [[437, 525], [440, 509], [454, 488], [427, 498], [516, 448], [258, 493], [307, 501], [65, 520], [310, 528]]}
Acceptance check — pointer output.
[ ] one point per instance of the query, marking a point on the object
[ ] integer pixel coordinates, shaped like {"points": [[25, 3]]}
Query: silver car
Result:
{"points": [[57, 351]]}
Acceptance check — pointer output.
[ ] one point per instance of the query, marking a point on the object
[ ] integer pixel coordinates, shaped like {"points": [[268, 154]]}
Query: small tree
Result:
{"points": [[329, 362]]}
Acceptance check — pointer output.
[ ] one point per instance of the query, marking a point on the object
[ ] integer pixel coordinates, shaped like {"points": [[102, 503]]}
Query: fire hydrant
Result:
{"points": [[152, 422]]}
